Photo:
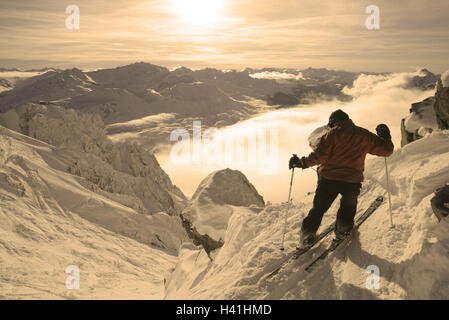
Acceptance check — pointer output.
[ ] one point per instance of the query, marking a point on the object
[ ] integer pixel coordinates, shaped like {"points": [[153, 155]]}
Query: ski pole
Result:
{"points": [[288, 209], [389, 193]]}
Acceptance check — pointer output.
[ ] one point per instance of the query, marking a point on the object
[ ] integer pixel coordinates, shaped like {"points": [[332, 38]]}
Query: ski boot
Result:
{"points": [[306, 240], [339, 238]]}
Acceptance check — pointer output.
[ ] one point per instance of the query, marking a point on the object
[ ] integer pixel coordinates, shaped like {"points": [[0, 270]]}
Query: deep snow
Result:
{"points": [[49, 220], [412, 257], [87, 203]]}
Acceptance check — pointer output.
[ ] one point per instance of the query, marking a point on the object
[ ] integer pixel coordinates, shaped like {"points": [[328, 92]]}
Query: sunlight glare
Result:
{"points": [[198, 12]]}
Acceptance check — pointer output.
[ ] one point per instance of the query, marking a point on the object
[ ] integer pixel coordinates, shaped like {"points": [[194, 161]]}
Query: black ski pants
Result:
{"points": [[326, 192]]}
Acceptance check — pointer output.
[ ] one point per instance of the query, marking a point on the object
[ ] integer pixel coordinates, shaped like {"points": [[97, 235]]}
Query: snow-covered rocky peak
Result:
{"points": [[421, 120], [228, 187], [218, 196], [50, 86], [424, 79]]}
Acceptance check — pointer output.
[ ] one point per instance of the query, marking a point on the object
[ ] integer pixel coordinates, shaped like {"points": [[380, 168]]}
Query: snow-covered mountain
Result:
{"points": [[9, 78], [145, 88], [74, 192], [427, 115], [49, 86], [218, 98], [218, 196], [122, 168], [51, 219], [412, 257], [140, 90]]}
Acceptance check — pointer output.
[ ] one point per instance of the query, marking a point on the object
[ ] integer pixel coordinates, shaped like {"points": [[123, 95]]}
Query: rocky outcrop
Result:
{"points": [[216, 199], [440, 202], [421, 120], [441, 105], [199, 239], [429, 114]]}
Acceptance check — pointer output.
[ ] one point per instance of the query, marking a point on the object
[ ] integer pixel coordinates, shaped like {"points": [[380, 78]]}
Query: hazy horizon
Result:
{"points": [[226, 34], [171, 68]]}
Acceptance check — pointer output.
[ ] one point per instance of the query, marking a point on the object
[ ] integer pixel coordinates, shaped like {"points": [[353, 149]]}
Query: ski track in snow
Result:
{"points": [[412, 257]]}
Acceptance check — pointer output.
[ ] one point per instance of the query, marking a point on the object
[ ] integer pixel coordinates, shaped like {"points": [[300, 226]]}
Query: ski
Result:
{"points": [[336, 243], [300, 251]]}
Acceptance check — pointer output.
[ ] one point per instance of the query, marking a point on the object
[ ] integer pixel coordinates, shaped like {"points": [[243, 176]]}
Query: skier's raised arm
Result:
{"points": [[381, 145]]}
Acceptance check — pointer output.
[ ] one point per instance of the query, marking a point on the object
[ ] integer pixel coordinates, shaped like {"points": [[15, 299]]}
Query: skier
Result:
{"points": [[340, 154]]}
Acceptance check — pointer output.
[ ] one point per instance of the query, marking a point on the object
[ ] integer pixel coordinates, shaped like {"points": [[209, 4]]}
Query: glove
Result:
{"points": [[383, 131], [296, 162]]}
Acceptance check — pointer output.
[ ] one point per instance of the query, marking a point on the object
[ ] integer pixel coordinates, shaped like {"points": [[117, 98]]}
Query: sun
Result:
{"points": [[198, 12]]}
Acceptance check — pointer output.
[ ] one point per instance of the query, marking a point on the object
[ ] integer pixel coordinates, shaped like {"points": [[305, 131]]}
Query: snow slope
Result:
{"points": [[125, 171], [49, 220], [412, 257]]}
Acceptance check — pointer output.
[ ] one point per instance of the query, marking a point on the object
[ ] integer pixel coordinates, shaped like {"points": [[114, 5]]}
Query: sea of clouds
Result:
{"points": [[377, 99]]}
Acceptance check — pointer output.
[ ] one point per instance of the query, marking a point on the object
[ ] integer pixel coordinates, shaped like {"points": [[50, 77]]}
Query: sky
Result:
{"points": [[227, 34]]}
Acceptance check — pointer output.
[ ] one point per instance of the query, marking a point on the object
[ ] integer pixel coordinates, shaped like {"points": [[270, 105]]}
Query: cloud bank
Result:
{"points": [[377, 99], [277, 75]]}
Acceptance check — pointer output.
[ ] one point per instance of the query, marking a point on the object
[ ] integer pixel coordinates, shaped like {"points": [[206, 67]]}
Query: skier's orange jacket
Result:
{"points": [[341, 152]]}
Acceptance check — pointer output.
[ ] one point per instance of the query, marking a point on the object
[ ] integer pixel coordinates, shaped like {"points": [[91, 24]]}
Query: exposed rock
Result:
{"points": [[441, 105], [198, 239], [427, 115], [440, 202], [422, 120], [406, 137]]}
